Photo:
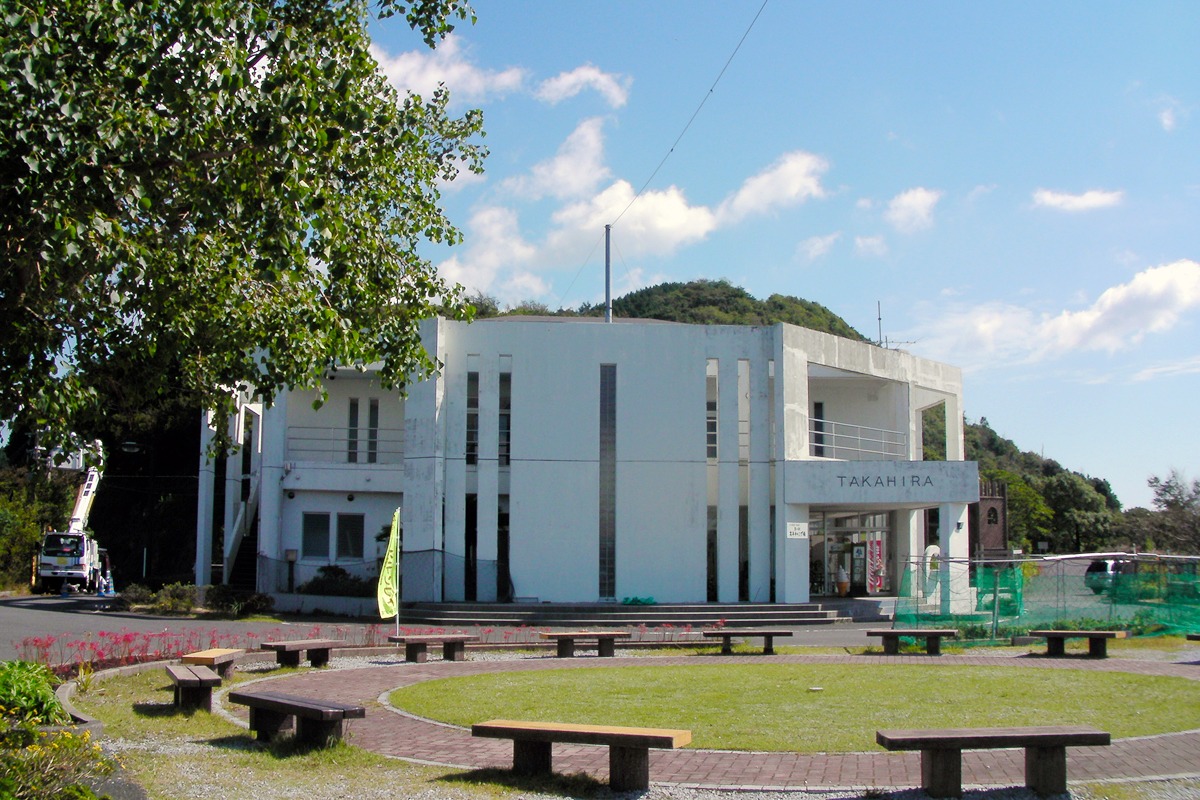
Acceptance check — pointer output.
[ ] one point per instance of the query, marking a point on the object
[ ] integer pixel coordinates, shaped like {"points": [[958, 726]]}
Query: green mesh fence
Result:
{"points": [[994, 601]]}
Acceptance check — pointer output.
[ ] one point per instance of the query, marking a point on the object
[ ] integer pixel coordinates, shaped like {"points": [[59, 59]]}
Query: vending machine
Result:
{"points": [[858, 570]]}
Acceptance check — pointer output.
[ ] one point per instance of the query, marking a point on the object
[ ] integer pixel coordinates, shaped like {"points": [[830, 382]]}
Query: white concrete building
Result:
{"points": [[574, 460]]}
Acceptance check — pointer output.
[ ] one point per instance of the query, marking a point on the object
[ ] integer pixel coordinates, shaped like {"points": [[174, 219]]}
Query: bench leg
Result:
{"points": [[933, 645], [318, 657], [531, 758], [726, 645], [224, 670], [319, 732], [1055, 646], [606, 648], [566, 648], [415, 652], [268, 724], [941, 772], [1097, 647], [190, 698], [287, 658], [454, 651], [628, 768], [768, 645], [891, 645], [1046, 770]]}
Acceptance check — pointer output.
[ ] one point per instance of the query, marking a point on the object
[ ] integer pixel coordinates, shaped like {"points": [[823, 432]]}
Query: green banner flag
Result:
{"points": [[388, 593]]}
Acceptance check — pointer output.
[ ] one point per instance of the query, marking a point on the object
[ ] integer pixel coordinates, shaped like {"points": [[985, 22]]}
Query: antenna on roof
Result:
{"points": [[607, 273], [879, 319]]}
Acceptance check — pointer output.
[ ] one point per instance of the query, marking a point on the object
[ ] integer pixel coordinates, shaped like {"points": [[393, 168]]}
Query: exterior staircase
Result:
{"points": [[592, 615]]}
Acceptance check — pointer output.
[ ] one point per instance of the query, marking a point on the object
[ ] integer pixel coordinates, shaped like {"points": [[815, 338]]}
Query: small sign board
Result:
{"points": [[797, 530]]}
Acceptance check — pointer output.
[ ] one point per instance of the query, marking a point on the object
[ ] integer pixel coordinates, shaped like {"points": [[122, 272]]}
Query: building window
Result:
{"points": [[472, 418], [505, 445], [608, 481], [373, 430], [710, 418], [993, 516], [315, 535], [350, 528], [352, 433]]}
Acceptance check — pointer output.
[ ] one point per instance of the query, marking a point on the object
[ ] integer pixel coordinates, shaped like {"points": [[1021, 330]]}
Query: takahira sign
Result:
{"points": [[883, 483]]}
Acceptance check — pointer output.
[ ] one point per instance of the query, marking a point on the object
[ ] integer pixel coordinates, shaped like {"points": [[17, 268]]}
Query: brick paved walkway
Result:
{"points": [[392, 733]]}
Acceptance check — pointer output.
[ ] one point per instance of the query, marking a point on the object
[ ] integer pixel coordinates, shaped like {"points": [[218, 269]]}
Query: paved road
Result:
{"points": [[72, 618]]}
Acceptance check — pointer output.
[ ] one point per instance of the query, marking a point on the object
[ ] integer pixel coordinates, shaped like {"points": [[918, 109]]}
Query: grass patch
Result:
{"points": [[770, 706]]}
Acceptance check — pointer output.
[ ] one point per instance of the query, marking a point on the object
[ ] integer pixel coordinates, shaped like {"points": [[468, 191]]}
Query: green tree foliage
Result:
{"points": [[1178, 504], [198, 196], [1082, 520]]}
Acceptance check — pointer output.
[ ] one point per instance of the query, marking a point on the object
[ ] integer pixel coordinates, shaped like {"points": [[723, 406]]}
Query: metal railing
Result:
{"points": [[843, 441], [345, 445]]}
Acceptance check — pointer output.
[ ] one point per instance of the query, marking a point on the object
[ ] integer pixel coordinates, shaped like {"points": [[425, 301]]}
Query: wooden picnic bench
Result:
{"points": [[932, 636], [628, 748], [566, 640], [288, 653], [193, 686], [726, 636], [316, 721], [1193, 637], [416, 647], [1045, 753], [1097, 641], [220, 659]]}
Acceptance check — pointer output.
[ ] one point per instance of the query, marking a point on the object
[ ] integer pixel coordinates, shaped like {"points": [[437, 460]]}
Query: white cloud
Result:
{"points": [[1123, 315], [1153, 301], [864, 204], [420, 72], [613, 88], [912, 211], [494, 246], [870, 246], [1166, 118], [1188, 366], [814, 247], [980, 191], [792, 179], [1089, 200], [576, 169], [658, 224]]}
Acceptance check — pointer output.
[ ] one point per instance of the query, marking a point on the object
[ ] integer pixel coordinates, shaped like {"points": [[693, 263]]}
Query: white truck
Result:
{"points": [[72, 558]]}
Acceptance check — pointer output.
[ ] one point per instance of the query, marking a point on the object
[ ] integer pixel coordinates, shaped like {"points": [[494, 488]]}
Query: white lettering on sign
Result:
{"points": [[797, 530], [880, 482]]}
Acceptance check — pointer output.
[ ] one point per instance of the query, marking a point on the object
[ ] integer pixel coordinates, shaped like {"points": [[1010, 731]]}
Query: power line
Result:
{"points": [[695, 114]]}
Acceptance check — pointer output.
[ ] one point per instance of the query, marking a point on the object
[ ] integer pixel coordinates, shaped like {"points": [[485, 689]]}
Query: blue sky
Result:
{"points": [[1015, 185]]}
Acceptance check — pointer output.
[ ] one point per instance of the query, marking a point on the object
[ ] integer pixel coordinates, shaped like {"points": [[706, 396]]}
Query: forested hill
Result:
{"points": [[700, 302], [720, 303]]}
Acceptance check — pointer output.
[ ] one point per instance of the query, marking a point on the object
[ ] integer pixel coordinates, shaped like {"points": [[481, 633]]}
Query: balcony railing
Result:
{"points": [[845, 442], [345, 446]]}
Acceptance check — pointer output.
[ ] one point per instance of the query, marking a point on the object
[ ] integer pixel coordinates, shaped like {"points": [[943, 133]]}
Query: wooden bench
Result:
{"points": [[220, 659], [1045, 753], [1193, 637], [726, 636], [193, 686], [628, 748], [317, 722], [454, 645], [933, 638], [604, 641], [288, 653], [1097, 641]]}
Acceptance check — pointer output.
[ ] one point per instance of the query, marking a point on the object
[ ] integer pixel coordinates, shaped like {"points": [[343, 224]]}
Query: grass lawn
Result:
{"points": [[776, 707]]}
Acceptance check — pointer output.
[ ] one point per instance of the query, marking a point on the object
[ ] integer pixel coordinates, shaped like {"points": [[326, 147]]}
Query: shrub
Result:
{"points": [[235, 602], [333, 580], [27, 694], [35, 765], [135, 594], [175, 598]]}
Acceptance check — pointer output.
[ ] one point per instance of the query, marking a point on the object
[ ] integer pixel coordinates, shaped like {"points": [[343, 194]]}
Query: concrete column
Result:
{"points": [[273, 426], [424, 475], [728, 488], [205, 497], [791, 444], [760, 483], [488, 478], [954, 571]]}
